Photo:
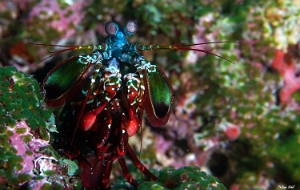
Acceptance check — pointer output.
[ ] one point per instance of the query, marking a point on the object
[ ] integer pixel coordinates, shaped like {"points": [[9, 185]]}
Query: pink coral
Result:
{"points": [[22, 148], [232, 132], [64, 20], [284, 64]]}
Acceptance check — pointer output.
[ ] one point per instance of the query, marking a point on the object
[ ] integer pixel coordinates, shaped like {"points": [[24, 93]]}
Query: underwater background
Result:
{"points": [[238, 122]]}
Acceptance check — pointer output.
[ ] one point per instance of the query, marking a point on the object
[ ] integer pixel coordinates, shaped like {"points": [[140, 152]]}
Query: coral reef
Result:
{"points": [[27, 158], [184, 178], [226, 117]]}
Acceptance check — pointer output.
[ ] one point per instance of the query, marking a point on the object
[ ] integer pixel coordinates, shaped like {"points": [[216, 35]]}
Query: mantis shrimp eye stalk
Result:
{"points": [[111, 28], [130, 28]]}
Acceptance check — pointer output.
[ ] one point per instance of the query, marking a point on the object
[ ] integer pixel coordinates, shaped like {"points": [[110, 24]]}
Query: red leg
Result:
{"points": [[126, 173], [139, 164], [121, 151], [92, 173], [107, 164], [102, 144]]}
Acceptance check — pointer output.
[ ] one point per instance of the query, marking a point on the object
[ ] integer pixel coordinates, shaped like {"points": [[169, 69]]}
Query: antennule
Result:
{"points": [[207, 51], [53, 53]]}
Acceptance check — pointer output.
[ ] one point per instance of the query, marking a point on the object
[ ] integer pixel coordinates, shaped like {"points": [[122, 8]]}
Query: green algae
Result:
{"points": [[24, 119]]}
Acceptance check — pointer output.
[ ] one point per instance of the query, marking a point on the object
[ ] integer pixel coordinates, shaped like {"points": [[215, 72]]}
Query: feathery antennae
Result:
{"points": [[209, 51], [53, 53], [51, 45]]}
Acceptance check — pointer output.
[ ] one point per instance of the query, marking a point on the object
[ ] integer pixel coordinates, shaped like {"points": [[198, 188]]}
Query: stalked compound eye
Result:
{"points": [[111, 28], [130, 28]]}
